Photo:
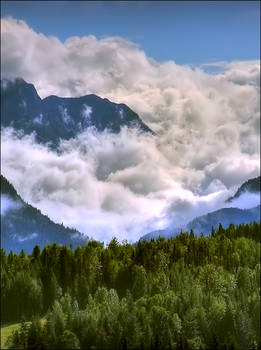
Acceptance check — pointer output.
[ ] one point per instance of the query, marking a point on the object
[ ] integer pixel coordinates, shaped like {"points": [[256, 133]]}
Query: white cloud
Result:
{"points": [[247, 200], [74, 188], [207, 127], [106, 184], [243, 73]]}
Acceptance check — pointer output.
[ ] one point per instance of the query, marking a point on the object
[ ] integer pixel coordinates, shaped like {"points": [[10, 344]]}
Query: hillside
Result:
{"points": [[225, 216], [23, 226]]}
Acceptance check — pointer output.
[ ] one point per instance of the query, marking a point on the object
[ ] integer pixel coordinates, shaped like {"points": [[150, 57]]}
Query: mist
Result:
{"points": [[246, 200], [8, 203]]}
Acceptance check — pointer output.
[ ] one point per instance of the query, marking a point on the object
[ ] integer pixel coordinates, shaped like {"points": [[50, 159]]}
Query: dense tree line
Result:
{"points": [[188, 292]]}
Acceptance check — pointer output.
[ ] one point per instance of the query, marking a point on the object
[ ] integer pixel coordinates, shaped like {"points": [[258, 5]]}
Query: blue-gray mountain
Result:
{"points": [[23, 226], [54, 118], [225, 216], [203, 224]]}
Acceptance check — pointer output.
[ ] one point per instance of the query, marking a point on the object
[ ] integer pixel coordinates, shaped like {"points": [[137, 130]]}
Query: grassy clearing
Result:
{"points": [[6, 331]]}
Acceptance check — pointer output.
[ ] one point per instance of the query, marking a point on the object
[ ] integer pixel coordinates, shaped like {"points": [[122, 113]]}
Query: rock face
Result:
{"points": [[23, 226], [54, 118]]}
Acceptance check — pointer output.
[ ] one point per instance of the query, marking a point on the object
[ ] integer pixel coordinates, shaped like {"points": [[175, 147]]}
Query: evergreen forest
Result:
{"points": [[188, 292]]}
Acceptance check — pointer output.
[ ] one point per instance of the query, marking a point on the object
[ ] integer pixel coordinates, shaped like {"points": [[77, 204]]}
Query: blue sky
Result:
{"points": [[186, 32]]}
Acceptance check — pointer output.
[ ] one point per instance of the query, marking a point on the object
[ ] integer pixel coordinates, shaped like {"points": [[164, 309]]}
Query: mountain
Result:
{"points": [[54, 118], [167, 233], [203, 224], [252, 186], [23, 226], [225, 216]]}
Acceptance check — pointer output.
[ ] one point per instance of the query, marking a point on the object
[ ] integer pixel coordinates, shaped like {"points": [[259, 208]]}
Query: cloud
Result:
{"points": [[69, 188], [28, 237], [247, 200], [243, 73], [207, 127], [8, 203], [105, 184], [239, 72]]}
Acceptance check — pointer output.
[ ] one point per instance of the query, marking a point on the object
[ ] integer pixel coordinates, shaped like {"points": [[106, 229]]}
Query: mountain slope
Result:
{"points": [[54, 118], [252, 186], [203, 224], [225, 216], [23, 226], [167, 233]]}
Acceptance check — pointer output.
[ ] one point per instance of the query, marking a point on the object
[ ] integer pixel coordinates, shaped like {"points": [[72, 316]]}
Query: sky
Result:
{"points": [[191, 32], [206, 123]]}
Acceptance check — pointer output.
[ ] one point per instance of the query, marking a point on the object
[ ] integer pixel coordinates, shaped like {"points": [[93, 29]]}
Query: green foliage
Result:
{"points": [[190, 292]]}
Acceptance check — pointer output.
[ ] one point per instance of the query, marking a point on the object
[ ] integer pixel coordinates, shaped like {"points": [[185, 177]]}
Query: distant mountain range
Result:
{"points": [[203, 224], [54, 118], [23, 226], [225, 216]]}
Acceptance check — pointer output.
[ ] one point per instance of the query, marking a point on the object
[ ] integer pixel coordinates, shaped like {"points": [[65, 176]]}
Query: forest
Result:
{"points": [[188, 292]]}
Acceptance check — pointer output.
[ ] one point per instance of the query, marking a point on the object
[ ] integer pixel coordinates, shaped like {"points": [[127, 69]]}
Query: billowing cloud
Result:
{"points": [[207, 128], [76, 186], [106, 184]]}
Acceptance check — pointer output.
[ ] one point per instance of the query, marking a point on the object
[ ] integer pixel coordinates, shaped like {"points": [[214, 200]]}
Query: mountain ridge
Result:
{"points": [[225, 216], [204, 223], [53, 118], [24, 226]]}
